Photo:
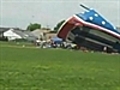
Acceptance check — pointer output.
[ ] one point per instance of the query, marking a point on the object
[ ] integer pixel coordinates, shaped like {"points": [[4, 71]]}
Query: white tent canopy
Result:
{"points": [[11, 35]]}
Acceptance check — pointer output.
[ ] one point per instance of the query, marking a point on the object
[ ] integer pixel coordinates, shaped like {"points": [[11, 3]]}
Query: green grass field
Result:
{"points": [[56, 69]]}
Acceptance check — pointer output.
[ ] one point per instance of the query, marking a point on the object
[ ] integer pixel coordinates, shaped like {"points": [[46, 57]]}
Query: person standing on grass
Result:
{"points": [[37, 42]]}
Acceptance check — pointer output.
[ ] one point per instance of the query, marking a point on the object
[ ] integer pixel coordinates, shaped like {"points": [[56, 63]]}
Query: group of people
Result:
{"points": [[54, 44]]}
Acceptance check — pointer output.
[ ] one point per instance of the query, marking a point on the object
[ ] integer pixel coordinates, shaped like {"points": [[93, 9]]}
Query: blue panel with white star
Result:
{"points": [[93, 17]]}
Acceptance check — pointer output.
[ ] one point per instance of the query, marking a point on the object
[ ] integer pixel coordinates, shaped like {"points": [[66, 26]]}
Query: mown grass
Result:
{"points": [[14, 43], [55, 69]]}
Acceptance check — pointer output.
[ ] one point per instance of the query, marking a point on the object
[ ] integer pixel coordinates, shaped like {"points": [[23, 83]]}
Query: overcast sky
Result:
{"points": [[20, 13]]}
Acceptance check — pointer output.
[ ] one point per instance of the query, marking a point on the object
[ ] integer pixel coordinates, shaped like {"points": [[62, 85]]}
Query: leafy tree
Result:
{"points": [[34, 26], [56, 28]]}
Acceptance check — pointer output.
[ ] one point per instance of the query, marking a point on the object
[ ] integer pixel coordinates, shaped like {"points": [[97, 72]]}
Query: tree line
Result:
{"points": [[34, 26]]}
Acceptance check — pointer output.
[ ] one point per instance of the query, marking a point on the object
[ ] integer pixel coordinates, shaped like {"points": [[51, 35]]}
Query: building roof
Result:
{"points": [[3, 29], [25, 34], [22, 33]]}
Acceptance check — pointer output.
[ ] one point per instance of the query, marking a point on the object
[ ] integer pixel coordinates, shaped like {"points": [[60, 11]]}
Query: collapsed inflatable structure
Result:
{"points": [[90, 30]]}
